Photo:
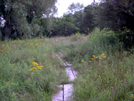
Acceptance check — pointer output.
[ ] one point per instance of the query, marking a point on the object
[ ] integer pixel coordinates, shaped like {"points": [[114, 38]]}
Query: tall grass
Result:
{"points": [[105, 70], [18, 82]]}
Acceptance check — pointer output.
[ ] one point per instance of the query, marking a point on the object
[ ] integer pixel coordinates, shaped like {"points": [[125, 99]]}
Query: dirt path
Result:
{"points": [[65, 92]]}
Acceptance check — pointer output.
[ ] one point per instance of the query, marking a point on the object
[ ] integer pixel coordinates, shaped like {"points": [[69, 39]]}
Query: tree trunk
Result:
{"points": [[6, 31]]}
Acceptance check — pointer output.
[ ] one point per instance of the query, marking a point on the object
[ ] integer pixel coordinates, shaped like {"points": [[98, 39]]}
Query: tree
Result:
{"points": [[21, 15], [75, 7], [89, 18], [79, 20], [65, 26]]}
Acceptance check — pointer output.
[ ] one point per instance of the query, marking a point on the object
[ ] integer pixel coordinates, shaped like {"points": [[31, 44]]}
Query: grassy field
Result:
{"points": [[30, 71], [105, 70]]}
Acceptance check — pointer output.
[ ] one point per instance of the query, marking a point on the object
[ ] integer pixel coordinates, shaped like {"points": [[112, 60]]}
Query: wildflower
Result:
{"points": [[1, 50], [85, 61], [132, 96], [33, 73], [31, 69], [39, 67], [36, 44], [99, 57], [34, 68], [34, 63], [36, 40], [31, 43], [102, 54], [82, 60], [8, 48], [3, 44], [90, 61], [94, 56]]}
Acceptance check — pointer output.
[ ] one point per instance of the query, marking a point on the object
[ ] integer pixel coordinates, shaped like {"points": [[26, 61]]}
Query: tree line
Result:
{"points": [[24, 18]]}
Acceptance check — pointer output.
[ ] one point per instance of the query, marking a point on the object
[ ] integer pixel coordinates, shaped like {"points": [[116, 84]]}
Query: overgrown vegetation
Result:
{"points": [[29, 70], [105, 69]]}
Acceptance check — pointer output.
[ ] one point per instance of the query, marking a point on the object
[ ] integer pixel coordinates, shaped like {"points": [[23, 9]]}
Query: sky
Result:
{"points": [[62, 5]]}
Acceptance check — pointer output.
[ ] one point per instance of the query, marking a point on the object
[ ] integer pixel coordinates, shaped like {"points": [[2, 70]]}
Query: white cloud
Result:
{"points": [[62, 5]]}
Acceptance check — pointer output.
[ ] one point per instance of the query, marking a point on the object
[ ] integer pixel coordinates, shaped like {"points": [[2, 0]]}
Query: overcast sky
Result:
{"points": [[62, 5]]}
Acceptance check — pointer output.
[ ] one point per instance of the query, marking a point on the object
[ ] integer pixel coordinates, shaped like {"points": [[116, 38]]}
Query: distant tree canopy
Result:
{"points": [[22, 16]]}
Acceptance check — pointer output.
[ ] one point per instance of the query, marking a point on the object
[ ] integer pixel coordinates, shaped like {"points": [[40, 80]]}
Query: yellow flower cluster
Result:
{"points": [[6, 46], [35, 66], [94, 57], [34, 63], [36, 44], [32, 69], [39, 67], [31, 43]]}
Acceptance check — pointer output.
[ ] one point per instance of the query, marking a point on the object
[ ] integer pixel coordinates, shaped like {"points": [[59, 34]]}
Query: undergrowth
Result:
{"points": [[105, 70], [29, 70]]}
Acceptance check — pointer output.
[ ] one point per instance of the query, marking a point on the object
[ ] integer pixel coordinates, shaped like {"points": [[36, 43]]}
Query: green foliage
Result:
{"points": [[18, 81], [105, 70], [23, 17], [76, 36], [98, 42], [65, 26]]}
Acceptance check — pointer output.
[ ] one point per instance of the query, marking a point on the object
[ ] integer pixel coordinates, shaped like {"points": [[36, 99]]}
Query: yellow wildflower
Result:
{"points": [[31, 69], [31, 43], [34, 68], [132, 96], [102, 54], [90, 61], [94, 56], [36, 44], [34, 63], [82, 60], [3, 44], [99, 57], [1, 50], [39, 67], [85, 61], [36, 40], [33, 73], [8, 47]]}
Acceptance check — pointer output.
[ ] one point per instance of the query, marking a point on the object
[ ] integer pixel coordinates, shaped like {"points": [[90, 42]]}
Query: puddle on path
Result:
{"points": [[65, 92], [71, 73]]}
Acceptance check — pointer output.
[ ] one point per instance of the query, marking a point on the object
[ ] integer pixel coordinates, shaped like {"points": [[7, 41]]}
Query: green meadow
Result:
{"points": [[30, 70]]}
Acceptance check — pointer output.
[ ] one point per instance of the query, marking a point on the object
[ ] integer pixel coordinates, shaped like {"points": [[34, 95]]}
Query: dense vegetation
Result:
{"points": [[29, 70], [97, 39], [105, 69]]}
